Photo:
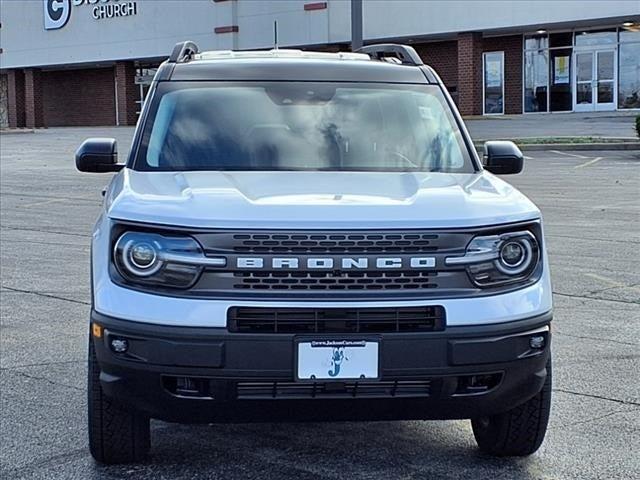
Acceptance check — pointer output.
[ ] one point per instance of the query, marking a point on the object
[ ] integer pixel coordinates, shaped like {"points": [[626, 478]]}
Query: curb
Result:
{"points": [[4, 131], [575, 146]]}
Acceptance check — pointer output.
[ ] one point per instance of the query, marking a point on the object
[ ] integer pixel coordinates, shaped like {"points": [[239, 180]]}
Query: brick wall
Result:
{"points": [[33, 98], [470, 73], [79, 97], [443, 57], [512, 48], [15, 91], [128, 93], [4, 100], [88, 96], [459, 64]]}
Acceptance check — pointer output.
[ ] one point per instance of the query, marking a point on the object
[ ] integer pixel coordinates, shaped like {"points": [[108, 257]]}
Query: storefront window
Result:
{"points": [[607, 37], [582, 70], [629, 36], [536, 81], [547, 72], [560, 82], [629, 75], [493, 75], [563, 39], [536, 42], [144, 77]]}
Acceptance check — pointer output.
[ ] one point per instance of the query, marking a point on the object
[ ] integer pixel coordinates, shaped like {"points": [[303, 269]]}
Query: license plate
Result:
{"points": [[337, 360]]}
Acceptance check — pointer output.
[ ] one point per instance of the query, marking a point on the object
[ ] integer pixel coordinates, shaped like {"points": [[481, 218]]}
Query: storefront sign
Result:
{"points": [[109, 8], [561, 70], [58, 12]]}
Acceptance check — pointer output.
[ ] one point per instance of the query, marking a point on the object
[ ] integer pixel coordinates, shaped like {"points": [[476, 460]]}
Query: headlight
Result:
{"points": [[500, 259], [140, 257], [515, 256], [153, 259]]}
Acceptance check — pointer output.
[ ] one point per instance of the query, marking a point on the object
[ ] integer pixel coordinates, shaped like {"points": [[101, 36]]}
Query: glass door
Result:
{"points": [[493, 83], [595, 80], [583, 101], [605, 71]]}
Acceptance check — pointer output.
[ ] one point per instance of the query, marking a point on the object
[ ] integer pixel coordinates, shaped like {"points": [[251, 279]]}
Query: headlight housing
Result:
{"points": [[500, 259], [154, 259]]}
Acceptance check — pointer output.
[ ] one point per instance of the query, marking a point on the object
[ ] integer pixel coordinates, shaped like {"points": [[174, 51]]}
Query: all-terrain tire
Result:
{"points": [[117, 434], [519, 431]]}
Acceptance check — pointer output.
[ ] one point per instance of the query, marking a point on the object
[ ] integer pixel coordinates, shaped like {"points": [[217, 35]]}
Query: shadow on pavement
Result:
{"points": [[389, 450]]}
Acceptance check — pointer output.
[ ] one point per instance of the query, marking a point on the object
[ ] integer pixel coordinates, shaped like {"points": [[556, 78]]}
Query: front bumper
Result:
{"points": [[461, 372]]}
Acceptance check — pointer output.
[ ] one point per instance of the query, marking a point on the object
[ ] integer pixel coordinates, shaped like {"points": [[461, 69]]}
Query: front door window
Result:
{"points": [[605, 77], [584, 80]]}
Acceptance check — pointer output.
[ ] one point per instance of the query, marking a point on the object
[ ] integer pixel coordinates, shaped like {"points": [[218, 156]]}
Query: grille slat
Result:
{"points": [[327, 280], [330, 243], [351, 389], [335, 320]]}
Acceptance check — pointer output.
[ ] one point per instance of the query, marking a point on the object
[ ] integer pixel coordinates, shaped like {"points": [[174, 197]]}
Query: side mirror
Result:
{"points": [[98, 155], [502, 158]]}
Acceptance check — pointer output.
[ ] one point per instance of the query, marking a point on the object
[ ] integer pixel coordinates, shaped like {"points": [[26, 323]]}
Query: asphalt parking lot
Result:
{"points": [[596, 124], [591, 206]]}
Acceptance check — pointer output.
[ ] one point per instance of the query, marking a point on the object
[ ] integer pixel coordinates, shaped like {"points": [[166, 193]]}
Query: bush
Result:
{"points": [[638, 125]]}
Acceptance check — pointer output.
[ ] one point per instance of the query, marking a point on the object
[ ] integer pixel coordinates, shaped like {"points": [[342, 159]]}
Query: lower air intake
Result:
{"points": [[335, 320], [333, 390]]}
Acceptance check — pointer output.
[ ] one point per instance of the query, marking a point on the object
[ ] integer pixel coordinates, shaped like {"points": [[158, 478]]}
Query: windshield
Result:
{"points": [[301, 126]]}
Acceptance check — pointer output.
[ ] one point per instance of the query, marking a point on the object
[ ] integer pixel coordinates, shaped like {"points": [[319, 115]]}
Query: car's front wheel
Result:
{"points": [[117, 434], [519, 431]]}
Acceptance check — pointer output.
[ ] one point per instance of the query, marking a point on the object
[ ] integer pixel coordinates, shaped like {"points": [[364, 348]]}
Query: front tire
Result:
{"points": [[117, 434], [519, 431]]}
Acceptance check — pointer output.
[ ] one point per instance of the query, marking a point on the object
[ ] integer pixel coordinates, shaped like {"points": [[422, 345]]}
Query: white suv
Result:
{"points": [[301, 235]]}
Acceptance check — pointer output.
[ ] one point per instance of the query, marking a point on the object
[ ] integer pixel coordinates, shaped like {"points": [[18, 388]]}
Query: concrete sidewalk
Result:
{"points": [[601, 124]]}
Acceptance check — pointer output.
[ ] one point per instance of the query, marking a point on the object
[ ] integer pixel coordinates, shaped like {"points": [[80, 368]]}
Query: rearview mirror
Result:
{"points": [[98, 155], [502, 157]]}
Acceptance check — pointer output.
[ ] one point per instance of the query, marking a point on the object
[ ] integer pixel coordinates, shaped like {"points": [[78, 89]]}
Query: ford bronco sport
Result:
{"points": [[312, 236]]}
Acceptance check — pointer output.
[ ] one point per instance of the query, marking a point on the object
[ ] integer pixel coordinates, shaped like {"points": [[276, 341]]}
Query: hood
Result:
{"points": [[313, 200]]}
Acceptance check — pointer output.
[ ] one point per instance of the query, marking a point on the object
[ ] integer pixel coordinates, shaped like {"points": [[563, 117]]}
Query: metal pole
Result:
{"points": [[115, 87], [275, 35], [356, 25]]}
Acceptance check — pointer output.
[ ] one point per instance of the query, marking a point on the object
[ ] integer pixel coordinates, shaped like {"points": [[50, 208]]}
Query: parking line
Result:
{"points": [[621, 203], [46, 202], [590, 162], [606, 280], [612, 283], [568, 154]]}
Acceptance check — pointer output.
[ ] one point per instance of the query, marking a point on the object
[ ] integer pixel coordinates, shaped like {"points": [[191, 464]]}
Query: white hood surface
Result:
{"points": [[316, 200]]}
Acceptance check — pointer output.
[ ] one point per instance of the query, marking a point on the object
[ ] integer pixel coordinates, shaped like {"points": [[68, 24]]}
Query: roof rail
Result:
{"points": [[406, 54], [183, 52]]}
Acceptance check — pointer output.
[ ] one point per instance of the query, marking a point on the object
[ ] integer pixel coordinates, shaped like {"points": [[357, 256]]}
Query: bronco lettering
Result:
{"points": [[322, 263]]}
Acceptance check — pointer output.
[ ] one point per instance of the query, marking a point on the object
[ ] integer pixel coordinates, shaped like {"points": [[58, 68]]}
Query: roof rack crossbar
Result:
{"points": [[183, 52], [406, 54]]}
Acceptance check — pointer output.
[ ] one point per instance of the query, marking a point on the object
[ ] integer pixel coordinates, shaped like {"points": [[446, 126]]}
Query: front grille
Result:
{"points": [[352, 255], [304, 243], [350, 389], [270, 280], [335, 320]]}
